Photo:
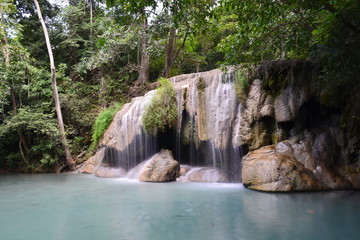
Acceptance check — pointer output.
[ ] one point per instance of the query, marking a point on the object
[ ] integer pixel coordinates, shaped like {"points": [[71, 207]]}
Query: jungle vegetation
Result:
{"points": [[103, 50]]}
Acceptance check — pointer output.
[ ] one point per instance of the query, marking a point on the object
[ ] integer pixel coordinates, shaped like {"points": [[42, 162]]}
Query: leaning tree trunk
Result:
{"points": [[69, 160], [144, 61]]}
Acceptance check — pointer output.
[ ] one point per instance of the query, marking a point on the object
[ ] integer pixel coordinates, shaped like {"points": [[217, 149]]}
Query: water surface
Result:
{"points": [[79, 207]]}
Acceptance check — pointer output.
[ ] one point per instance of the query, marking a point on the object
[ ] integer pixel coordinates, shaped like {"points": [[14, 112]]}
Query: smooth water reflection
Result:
{"points": [[72, 206]]}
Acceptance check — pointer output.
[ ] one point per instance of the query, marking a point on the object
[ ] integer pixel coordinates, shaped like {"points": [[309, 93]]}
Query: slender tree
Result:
{"points": [[70, 161], [144, 60]]}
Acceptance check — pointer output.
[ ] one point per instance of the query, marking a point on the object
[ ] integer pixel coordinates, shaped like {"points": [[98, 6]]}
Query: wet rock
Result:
{"points": [[109, 172], [90, 165], [206, 174], [3, 171], [184, 169], [87, 168], [135, 172], [161, 168]]}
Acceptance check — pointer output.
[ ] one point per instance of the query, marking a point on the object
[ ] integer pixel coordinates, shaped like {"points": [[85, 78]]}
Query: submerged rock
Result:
{"points": [[184, 169], [161, 168], [109, 172], [206, 174]]}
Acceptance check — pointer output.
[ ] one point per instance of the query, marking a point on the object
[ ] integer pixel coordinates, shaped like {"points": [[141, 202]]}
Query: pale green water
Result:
{"points": [[82, 207]]}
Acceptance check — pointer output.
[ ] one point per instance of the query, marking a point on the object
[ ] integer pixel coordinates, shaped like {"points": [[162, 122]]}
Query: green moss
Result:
{"points": [[274, 83], [186, 133], [161, 113], [184, 97], [201, 85], [189, 134], [102, 122]]}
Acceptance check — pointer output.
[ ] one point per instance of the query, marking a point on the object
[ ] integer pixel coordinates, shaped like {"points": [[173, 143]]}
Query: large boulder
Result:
{"points": [[161, 168], [266, 169], [312, 163]]}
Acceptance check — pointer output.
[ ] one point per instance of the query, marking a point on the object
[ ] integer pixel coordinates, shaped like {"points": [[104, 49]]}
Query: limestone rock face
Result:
{"points": [[267, 170], [161, 168], [257, 105], [311, 163], [206, 174], [263, 109], [109, 172]]}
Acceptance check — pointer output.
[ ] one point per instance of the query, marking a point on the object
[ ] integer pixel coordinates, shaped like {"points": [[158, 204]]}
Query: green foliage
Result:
{"points": [[161, 113], [241, 84], [337, 38], [102, 122], [265, 30], [42, 128]]}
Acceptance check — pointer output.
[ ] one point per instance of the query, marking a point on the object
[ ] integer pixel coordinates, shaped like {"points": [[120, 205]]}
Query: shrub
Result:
{"points": [[102, 122], [161, 113]]}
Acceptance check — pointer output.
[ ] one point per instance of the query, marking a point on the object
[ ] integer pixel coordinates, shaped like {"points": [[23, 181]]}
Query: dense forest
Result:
{"points": [[107, 52]]}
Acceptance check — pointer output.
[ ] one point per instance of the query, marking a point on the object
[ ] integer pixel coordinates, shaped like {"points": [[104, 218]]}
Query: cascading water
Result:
{"points": [[206, 134], [208, 121]]}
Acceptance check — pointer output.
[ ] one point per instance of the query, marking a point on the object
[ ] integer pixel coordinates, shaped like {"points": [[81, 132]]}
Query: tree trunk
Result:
{"points": [[69, 160], [171, 55], [282, 51], [102, 93], [169, 51], [91, 19], [144, 60]]}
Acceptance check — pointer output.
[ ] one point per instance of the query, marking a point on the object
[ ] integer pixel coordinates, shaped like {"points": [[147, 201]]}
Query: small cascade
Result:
{"points": [[206, 134], [126, 143]]}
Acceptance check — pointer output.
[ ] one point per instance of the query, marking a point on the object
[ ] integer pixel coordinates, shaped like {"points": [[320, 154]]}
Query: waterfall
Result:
{"points": [[209, 119], [208, 123]]}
